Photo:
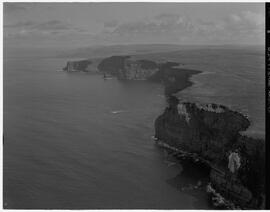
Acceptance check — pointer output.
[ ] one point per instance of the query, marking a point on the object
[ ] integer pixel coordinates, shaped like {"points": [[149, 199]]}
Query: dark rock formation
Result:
{"points": [[211, 131], [80, 65], [112, 65], [147, 64], [123, 67], [174, 79]]}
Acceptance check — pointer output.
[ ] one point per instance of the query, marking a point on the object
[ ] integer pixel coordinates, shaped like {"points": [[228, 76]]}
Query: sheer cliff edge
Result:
{"points": [[208, 133]]}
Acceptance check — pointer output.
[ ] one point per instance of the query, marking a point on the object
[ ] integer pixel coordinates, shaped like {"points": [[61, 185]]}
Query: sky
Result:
{"points": [[91, 24]]}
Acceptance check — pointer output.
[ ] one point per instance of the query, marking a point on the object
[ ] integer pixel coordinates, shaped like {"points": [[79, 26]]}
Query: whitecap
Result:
{"points": [[117, 111]]}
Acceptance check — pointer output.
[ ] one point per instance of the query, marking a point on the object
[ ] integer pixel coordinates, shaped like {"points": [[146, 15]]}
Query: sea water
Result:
{"points": [[77, 141]]}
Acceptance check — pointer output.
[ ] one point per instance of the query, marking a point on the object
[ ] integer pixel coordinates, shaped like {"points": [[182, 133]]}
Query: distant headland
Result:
{"points": [[207, 134]]}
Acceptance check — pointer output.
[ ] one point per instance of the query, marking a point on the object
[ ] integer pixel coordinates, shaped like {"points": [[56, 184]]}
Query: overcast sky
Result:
{"points": [[86, 24]]}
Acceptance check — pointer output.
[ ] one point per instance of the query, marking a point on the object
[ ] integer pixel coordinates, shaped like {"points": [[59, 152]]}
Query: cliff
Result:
{"points": [[138, 69], [173, 78], [90, 66], [112, 65], [123, 67], [210, 132], [126, 68], [80, 65], [203, 132]]}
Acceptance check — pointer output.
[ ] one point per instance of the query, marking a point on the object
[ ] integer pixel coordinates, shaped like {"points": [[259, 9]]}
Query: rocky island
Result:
{"points": [[89, 66], [209, 134], [167, 73], [127, 68]]}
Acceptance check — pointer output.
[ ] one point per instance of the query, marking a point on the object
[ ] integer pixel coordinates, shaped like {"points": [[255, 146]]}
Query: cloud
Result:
{"points": [[167, 18], [246, 19], [138, 27], [179, 28], [54, 25], [20, 24], [53, 29], [239, 27], [13, 7], [110, 24], [163, 23], [256, 19], [29, 27]]}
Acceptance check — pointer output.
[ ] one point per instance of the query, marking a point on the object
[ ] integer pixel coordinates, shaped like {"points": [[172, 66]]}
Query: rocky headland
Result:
{"points": [[127, 68], [203, 133], [89, 66], [207, 133], [167, 73]]}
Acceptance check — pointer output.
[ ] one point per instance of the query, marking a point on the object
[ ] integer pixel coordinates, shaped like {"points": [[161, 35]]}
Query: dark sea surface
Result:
{"points": [[75, 140], [78, 141], [235, 78], [232, 76]]}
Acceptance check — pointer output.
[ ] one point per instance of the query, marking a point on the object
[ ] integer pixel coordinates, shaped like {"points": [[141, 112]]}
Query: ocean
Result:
{"points": [[77, 141], [231, 76]]}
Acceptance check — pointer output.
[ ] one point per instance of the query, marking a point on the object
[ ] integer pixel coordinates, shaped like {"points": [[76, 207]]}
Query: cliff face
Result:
{"points": [[125, 68], [73, 66], [211, 131], [173, 78], [112, 65], [138, 69], [90, 66], [204, 129]]}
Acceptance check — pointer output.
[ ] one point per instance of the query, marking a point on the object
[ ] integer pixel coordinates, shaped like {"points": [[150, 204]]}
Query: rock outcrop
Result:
{"points": [[126, 68], [74, 66], [211, 131], [112, 65], [89, 66], [123, 67], [138, 69], [172, 77], [203, 132]]}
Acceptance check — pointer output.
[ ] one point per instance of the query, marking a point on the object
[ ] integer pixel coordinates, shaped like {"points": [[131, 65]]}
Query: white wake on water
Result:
{"points": [[117, 111]]}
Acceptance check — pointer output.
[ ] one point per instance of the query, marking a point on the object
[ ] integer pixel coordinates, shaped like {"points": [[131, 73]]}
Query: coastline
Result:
{"points": [[173, 127], [169, 136], [204, 91], [185, 83]]}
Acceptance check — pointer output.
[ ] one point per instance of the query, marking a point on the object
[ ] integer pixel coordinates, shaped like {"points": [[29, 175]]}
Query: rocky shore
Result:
{"points": [[205, 133], [167, 73], [127, 68], [208, 133], [89, 66]]}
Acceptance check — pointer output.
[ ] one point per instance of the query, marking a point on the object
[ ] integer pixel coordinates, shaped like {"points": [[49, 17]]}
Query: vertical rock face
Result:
{"points": [[74, 66], [113, 65], [211, 131], [173, 78], [206, 129], [139, 69], [125, 68]]}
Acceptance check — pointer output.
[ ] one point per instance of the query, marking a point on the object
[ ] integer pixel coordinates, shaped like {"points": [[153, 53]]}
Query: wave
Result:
{"points": [[117, 111]]}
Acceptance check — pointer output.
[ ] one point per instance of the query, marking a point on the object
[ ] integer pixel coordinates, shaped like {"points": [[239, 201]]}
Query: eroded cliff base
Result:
{"points": [[208, 133]]}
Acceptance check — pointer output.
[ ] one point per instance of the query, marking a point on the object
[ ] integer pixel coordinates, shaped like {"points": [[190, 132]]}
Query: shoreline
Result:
{"points": [[169, 136], [248, 132], [173, 127]]}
